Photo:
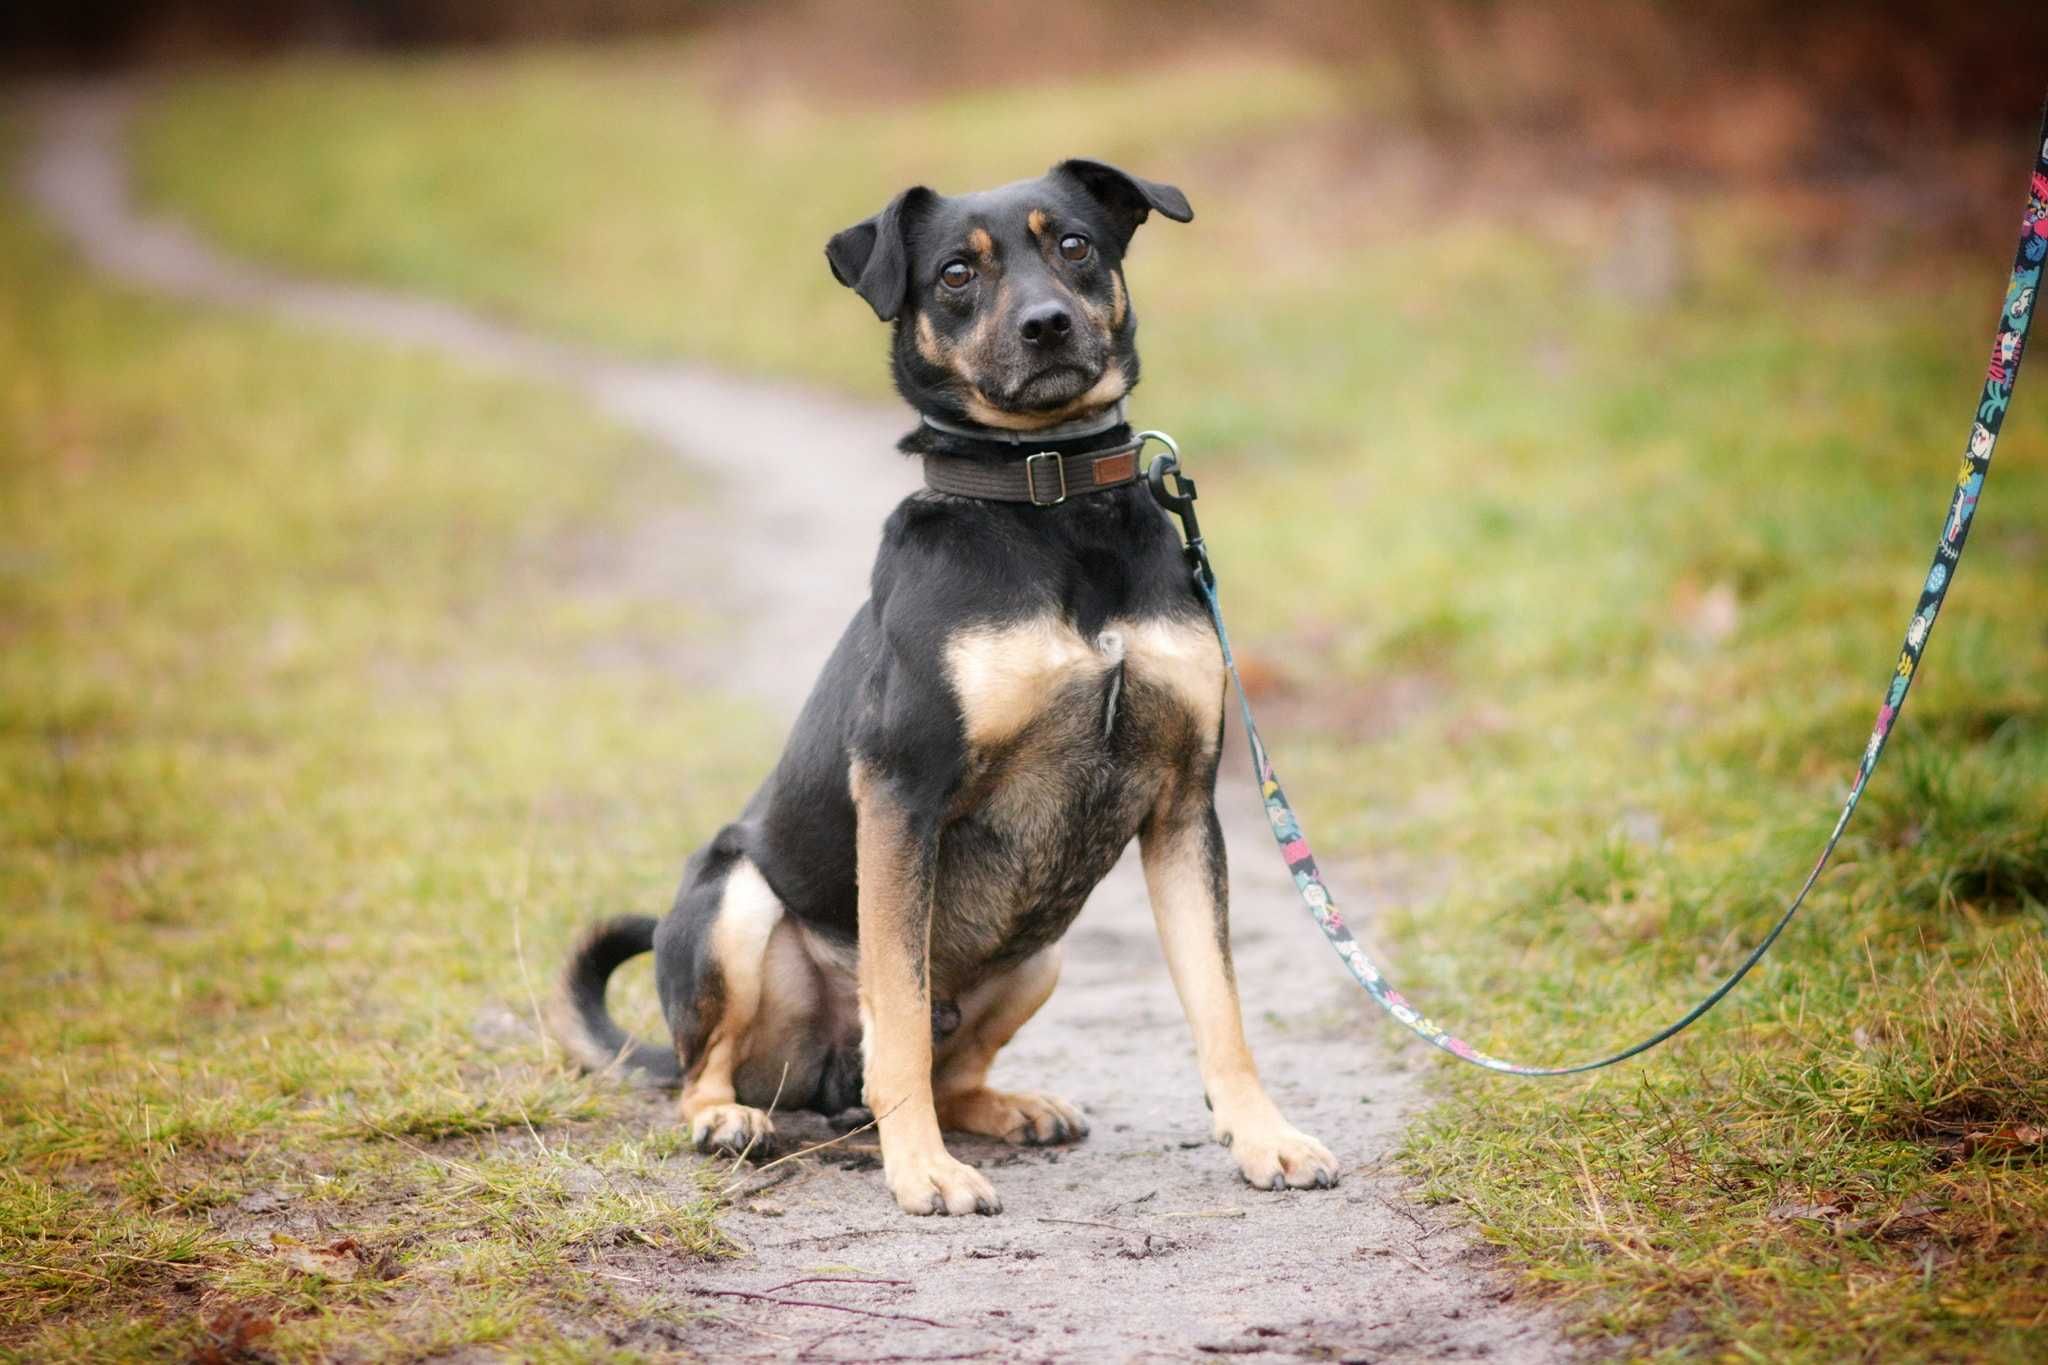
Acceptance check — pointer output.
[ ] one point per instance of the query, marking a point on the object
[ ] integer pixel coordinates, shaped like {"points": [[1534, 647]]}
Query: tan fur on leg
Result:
{"points": [[748, 914], [990, 1016], [1193, 929], [895, 1007]]}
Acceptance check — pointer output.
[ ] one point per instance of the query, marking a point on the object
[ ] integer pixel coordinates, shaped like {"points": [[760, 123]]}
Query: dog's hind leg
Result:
{"points": [[714, 1018], [990, 1016]]}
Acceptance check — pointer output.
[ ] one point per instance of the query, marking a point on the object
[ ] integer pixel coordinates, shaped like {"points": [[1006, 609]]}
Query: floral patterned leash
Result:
{"points": [[1287, 833]]}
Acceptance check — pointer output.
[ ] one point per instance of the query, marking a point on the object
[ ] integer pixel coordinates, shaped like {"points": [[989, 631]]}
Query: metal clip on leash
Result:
{"points": [[2008, 349], [1181, 503]]}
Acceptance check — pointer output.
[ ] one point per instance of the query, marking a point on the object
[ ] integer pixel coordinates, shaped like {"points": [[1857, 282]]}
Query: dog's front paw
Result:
{"points": [[730, 1128], [936, 1183], [1028, 1118], [1277, 1155]]}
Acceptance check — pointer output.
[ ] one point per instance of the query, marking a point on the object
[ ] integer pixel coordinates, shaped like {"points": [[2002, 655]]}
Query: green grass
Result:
{"points": [[297, 819], [1573, 613]]}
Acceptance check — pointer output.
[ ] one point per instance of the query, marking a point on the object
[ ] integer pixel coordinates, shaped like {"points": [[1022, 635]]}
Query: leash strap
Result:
{"points": [[2006, 350]]}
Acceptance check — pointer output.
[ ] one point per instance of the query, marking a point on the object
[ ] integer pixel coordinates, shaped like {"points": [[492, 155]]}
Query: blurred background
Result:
{"points": [[1575, 391]]}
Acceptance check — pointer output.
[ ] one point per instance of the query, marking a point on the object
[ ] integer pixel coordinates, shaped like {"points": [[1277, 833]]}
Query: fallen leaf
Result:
{"points": [[341, 1260], [233, 1336]]}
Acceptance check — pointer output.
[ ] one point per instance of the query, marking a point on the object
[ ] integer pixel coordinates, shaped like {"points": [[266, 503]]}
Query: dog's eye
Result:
{"points": [[1074, 247], [955, 274]]}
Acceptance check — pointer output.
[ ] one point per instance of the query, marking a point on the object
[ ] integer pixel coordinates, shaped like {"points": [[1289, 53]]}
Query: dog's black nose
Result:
{"points": [[1045, 324]]}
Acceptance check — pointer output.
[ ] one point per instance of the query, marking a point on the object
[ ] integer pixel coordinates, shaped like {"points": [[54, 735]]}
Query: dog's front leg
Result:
{"points": [[1182, 849], [894, 857]]}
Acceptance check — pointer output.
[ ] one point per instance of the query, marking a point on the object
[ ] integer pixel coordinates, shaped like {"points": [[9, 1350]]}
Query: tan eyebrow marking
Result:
{"points": [[928, 340], [1036, 222], [982, 245]]}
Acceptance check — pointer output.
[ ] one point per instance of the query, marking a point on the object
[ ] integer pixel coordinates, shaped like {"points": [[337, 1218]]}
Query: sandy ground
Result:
{"points": [[1140, 1243]]}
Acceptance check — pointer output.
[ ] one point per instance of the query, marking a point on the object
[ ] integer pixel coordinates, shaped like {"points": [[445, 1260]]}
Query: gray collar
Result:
{"points": [[1112, 416]]}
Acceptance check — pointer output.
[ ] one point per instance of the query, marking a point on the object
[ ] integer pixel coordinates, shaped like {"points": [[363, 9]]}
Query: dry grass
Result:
{"points": [[291, 813]]}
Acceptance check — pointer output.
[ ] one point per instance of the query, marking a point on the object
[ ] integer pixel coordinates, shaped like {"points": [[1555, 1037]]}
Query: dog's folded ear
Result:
{"points": [[1129, 198], [872, 259]]}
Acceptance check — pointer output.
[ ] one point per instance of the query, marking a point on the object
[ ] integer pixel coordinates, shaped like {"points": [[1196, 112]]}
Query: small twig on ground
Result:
{"points": [[845, 1234], [1405, 1213], [55, 1270], [1204, 1213], [812, 1303], [147, 1260], [820, 1146], [773, 1100], [762, 1187], [1403, 1256], [826, 1279], [1087, 1223], [458, 1167]]}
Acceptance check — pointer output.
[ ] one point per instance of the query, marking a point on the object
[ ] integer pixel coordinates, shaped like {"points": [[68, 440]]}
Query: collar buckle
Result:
{"points": [[1031, 478]]}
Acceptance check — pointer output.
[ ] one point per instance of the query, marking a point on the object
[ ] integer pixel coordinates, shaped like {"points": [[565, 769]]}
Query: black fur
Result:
{"points": [[584, 1024], [870, 258], [1001, 891]]}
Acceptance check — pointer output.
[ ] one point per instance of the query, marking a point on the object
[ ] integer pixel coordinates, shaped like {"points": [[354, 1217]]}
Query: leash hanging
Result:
{"points": [[2013, 323]]}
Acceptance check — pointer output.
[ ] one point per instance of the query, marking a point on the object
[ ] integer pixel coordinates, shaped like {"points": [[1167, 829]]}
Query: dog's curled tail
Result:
{"points": [[583, 1026]]}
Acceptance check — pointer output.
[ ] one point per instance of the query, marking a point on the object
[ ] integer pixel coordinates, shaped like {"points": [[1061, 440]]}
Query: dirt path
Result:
{"points": [[1140, 1244]]}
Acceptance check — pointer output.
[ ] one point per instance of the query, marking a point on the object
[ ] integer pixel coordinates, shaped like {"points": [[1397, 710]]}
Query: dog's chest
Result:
{"points": [[1070, 740]]}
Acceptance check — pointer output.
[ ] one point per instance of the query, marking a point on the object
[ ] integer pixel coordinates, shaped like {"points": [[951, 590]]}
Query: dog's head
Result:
{"points": [[1010, 305]]}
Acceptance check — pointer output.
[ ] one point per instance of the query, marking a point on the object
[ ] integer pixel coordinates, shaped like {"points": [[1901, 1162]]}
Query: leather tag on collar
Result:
{"points": [[1115, 469]]}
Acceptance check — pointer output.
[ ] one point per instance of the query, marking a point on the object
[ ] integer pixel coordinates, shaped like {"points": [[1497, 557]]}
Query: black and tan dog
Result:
{"points": [[1031, 684]]}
